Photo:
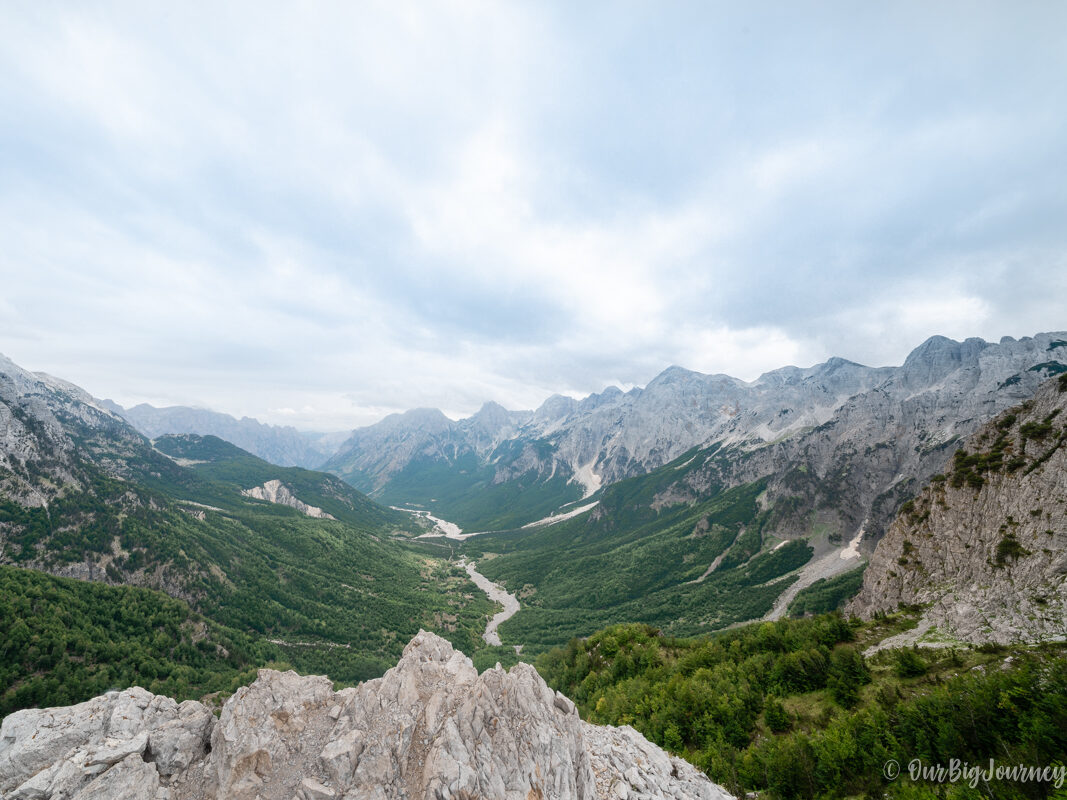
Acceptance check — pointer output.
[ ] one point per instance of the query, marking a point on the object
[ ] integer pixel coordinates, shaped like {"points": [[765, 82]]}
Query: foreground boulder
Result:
{"points": [[430, 728]]}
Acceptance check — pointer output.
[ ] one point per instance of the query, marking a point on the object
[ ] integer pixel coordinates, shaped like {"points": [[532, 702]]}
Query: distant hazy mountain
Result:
{"points": [[567, 448], [281, 445]]}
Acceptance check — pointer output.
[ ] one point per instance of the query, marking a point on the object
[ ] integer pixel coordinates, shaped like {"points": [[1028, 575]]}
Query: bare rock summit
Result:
{"points": [[431, 728]]}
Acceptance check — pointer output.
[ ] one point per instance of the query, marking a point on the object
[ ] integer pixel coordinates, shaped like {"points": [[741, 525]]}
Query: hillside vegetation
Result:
{"points": [[631, 559], [793, 709], [63, 641]]}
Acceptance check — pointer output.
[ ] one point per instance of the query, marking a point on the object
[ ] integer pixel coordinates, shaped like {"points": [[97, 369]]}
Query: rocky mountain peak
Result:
{"points": [[431, 727], [491, 417], [939, 356], [673, 374], [611, 394], [556, 407], [419, 419], [836, 364]]}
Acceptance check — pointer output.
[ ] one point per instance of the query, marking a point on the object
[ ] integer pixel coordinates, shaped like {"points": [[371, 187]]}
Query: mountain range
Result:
{"points": [[792, 477], [471, 471], [501, 469], [84, 495]]}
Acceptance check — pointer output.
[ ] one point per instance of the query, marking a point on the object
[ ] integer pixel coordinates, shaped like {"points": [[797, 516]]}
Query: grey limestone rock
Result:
{"points": [[431, 728], [986, 548], [274, 491], [118, 745]]}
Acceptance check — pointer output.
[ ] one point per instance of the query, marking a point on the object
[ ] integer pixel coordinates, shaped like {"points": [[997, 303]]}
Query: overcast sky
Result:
{"points": [[316, 214]]}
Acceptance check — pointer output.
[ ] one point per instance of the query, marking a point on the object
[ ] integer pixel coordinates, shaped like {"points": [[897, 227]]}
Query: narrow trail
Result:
{"points": [[497, 594], [328, 645]]}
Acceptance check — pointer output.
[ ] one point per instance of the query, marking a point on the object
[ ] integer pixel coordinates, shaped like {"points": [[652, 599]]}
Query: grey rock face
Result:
{"points": [[118, 745], [877, 448], [429, 728], [40, 418], [277, 492], [987, 548]]}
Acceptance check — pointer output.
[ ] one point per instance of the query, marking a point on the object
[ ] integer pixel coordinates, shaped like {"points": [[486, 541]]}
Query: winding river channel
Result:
{"points": [[494, 591], [497, 594]]}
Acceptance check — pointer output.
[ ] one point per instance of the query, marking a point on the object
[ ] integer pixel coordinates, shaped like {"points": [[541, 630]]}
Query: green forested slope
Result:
{"points": [[343, 596], [794, 710], [63, 641], [217, 461], [626, 561], [264, 569]]}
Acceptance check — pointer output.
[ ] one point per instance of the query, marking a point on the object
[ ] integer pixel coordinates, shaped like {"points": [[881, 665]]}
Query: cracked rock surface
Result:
{"points": [[430, 728]]}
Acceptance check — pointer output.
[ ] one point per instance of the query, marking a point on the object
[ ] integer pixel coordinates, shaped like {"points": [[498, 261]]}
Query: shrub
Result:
{"points": [[909, 664]]}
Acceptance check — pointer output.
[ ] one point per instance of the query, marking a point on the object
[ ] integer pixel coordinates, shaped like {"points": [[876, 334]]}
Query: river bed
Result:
{"points": [[497, 594]]}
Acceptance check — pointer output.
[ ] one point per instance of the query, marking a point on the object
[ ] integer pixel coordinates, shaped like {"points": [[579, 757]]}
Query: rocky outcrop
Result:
{"points": [[985, 545], [275, 491], [120, 745], [431, 727]]}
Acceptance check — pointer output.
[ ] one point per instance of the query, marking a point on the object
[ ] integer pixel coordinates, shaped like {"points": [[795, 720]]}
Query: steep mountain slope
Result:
{"points": [[824, 417], [986, 544], [431, 727], [852, 472], [677, 547], [277, 444], [55, 439], [84, 495], [686, 568]]}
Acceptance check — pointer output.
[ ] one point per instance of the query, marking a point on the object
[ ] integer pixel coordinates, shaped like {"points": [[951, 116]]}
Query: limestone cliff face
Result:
{"points": [[880, 446], [430, 728], [275, 491], [986, 544]]}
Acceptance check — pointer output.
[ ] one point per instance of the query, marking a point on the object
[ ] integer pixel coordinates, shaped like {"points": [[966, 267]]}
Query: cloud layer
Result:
{"points": [[319, 214]]}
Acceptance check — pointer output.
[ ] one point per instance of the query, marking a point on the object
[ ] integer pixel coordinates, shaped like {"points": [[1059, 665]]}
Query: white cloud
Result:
{"points": [[321, 217]]}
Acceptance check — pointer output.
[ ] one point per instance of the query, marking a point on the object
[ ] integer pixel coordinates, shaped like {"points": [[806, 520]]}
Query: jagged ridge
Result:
{"points": [[944, 390], [431, 727]]}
